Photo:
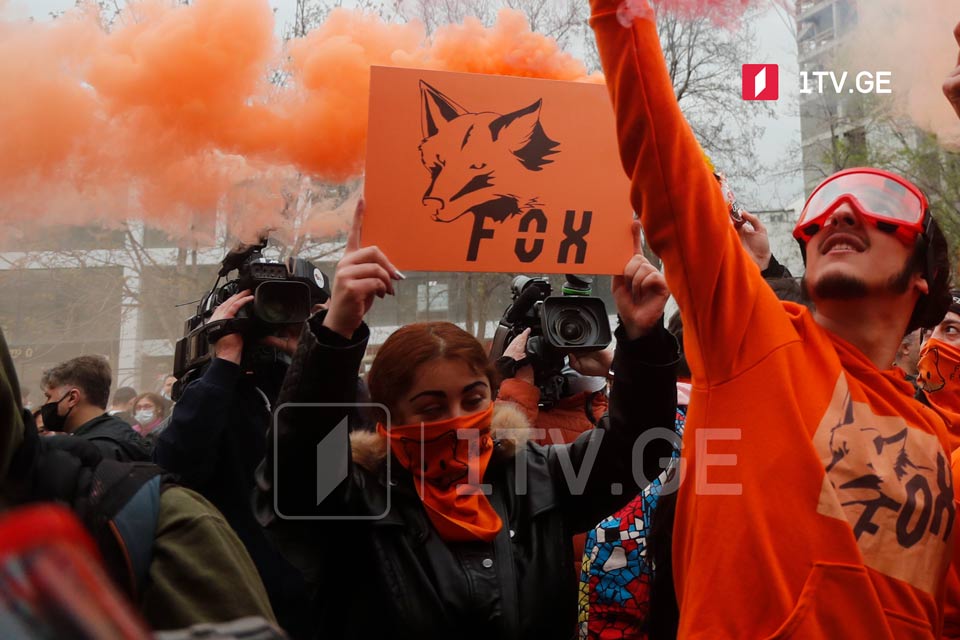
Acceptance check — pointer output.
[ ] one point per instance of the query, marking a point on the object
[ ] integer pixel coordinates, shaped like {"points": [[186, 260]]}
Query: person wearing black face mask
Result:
{"points": [[50, 413], [214, 441], [76, 393]]}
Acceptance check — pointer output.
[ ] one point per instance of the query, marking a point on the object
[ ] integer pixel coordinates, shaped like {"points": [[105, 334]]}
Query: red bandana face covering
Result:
{"points": [[447, 460], [939, 378]]}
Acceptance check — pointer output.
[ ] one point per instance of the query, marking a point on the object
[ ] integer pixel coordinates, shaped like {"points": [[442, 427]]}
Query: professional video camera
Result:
{"points": [[283, 294], [575, 322]]}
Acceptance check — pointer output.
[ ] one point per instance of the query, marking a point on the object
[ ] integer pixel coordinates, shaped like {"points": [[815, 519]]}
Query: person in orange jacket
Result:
{"points": [[943, 346], [939, 381], [579, 410], [939, 369], [817, 500]]}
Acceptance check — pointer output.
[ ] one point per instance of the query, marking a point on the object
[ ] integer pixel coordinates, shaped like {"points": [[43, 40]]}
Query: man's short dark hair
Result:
{"points": [[931, 256], [124, 395], [90, 374]]}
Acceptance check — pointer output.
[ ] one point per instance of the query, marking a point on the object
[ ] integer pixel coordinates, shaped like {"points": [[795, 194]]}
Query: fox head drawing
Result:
{"points": [[480, 163]]}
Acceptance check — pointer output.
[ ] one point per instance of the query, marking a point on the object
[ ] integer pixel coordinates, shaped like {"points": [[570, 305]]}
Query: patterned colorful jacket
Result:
{"points": [[615, 575]]}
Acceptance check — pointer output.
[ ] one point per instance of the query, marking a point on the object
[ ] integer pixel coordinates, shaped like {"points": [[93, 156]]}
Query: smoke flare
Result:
{"points": [[914, 41], [170, 117]]}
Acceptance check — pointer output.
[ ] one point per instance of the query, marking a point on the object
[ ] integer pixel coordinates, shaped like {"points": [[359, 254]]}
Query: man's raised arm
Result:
{"points": [[685, 218]]}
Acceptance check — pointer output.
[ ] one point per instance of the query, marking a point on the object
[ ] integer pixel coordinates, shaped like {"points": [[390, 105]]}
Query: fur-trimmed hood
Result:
{"points": [[510, 428]]}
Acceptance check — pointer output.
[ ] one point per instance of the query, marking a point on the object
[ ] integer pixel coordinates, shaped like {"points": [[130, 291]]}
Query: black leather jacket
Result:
{"points": [[393, 576]]}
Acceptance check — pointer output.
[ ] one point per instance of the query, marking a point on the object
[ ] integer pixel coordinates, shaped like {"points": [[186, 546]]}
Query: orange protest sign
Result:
{"points": [[469, 172]]}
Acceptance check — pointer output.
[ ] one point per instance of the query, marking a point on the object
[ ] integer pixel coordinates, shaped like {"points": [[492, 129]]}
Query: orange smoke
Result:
{"points": [[914, 40], [725, 13], [170, 117]]}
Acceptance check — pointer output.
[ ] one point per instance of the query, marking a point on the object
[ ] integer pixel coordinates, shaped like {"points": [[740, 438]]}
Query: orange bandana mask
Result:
{"points": [[443, 463], [939, 378]]}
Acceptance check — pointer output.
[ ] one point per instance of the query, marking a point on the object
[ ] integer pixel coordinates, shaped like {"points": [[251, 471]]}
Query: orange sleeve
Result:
{"points": [[951, 608], [724, 301]]}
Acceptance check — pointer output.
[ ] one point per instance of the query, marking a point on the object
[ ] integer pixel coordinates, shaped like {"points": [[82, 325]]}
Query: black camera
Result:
{"points": [[283, 294], [575, 322]]}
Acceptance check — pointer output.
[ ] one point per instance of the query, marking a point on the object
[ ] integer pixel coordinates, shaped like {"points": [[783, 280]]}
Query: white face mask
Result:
{"points": [[144, 416]]}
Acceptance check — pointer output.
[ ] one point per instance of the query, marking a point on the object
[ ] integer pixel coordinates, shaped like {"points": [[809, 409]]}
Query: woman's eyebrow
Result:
{"points": [[437, 394], [478, 383]]}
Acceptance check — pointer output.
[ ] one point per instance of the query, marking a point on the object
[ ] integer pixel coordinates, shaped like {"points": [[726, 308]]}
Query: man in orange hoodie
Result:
{"points": [[817, 498]]}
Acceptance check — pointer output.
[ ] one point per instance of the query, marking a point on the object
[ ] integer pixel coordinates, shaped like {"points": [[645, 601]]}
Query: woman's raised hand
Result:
{"points": [[361, 274], [640, 292]]}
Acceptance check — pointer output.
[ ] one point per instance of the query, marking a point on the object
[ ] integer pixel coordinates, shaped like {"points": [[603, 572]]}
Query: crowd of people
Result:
{"points": [[775, 461]]}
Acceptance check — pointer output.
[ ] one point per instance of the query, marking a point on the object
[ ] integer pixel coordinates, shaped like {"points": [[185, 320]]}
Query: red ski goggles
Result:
{"points": [[892, 203]]}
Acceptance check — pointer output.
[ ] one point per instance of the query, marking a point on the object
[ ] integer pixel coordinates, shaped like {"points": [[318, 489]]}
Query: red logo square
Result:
{"points": [[761, 82]]}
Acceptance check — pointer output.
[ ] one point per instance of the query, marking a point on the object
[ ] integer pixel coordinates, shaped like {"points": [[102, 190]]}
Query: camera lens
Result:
{"points": [[575, 324], [279, 302], [572, 326], [571, 331], [273, 311]]}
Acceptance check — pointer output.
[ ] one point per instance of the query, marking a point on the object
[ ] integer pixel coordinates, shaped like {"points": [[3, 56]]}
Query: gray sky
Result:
{"points": [[779, 146]]}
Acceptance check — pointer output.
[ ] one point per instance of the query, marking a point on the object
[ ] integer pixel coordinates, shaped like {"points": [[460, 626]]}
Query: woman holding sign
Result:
{"points": [[446, 522]]}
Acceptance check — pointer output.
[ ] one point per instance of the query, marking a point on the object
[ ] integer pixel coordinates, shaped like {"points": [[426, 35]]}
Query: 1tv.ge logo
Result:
{"points": [[761, 82]]}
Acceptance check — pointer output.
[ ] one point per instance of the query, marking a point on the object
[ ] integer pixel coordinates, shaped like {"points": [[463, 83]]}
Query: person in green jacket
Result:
{"points": [[168, 548]]}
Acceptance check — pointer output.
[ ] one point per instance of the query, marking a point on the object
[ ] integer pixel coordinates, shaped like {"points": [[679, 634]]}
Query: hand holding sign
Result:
{"points": [[640, 292], [951, 86], [469, 172], [361, 274]]}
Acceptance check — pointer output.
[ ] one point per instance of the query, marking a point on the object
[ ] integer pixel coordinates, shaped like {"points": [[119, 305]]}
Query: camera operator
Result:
{"points": [[215, 440], [579, 410]]}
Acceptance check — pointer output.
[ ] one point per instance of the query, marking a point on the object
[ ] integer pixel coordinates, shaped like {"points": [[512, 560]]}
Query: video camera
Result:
{"points": [[283, 294], [575, 322]]}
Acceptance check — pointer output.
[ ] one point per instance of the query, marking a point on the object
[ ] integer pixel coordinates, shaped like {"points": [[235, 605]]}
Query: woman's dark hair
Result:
{"points": [[392, 372]]}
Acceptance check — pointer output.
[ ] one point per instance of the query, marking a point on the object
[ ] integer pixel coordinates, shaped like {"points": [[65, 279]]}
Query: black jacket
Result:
{"points": [[213, 443], [392, 576], [115, 439], [126, 416], [215, 438]]}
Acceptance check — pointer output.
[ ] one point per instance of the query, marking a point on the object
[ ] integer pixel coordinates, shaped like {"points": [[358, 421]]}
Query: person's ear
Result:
{"points": [[920, 284], [73, 397]]}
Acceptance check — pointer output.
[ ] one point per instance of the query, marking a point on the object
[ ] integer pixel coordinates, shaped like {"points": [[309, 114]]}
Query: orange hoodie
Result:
{"points": [[817, 500], [951, 610]]}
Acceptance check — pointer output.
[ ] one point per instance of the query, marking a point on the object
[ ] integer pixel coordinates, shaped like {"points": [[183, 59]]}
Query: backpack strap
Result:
{"points": [[124, 508]]}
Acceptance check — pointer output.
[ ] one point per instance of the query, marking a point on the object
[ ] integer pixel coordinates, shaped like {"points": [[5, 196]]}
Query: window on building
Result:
{"points": [[432, 296]]}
